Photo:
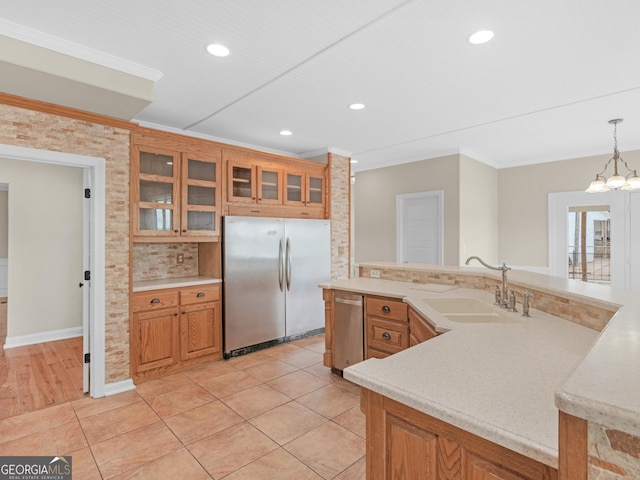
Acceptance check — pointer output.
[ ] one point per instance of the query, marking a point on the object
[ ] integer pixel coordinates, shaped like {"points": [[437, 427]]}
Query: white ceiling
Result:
{"points": [[543, 89]]}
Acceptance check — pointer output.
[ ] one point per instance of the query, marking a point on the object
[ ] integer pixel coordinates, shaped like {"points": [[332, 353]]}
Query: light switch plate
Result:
{"points": [[374, 273], [180, 258]]}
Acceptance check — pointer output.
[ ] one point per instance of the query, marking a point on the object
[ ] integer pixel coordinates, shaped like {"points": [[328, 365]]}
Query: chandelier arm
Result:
{"points": [[626, 165], [606, 165]]}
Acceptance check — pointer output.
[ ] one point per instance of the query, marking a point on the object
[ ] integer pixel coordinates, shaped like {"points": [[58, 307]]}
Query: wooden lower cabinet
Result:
{"points": [[386, 326], [173, 329], [405, 444], [420, 329]]}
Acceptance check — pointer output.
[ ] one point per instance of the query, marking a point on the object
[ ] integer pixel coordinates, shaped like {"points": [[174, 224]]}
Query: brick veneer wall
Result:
{"points": [[35, 129], [613, 455], [152, 261], [340, 209], [582, 313]]}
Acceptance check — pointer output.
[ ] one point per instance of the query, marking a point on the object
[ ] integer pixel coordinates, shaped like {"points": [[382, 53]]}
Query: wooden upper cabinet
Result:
{"points": [[247, 183], [200, 199], [258, 184], [175, 194], [305, 188]]}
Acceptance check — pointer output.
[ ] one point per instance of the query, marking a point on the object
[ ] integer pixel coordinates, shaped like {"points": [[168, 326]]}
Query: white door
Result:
{"points": [[85, 283], [419, 227], [634, 240]]}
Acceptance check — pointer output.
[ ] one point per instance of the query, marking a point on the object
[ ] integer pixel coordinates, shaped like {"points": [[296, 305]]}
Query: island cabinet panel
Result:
{"points": [[173, 329], [387, 326], [404, 443]]}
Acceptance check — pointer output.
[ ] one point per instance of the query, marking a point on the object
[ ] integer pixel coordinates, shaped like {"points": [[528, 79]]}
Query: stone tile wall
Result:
{"points": [[45, 131], [152, 261], [340, 209], [613, 455], [583, 314]]}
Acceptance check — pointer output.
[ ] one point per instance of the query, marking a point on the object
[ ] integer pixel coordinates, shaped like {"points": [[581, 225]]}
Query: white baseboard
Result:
{"points": [[35, 338], [118, 387]]}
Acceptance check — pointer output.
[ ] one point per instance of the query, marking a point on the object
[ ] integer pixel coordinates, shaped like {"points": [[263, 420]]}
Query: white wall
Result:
{"points": [[4, 239], [524, 202], [44, 247], [375, 205], [478, 211]]}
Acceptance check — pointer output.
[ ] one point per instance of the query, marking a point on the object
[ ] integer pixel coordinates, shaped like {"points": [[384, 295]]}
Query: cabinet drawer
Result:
{"points": [[141, 302], [202, 293], [387, 308], [387, 336]]}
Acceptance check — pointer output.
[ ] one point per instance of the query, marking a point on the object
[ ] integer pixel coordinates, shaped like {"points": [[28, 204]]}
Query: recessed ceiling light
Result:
{"points": [[353, 160], [356, 106], [217, 50], [286, 132], [483, 36]]}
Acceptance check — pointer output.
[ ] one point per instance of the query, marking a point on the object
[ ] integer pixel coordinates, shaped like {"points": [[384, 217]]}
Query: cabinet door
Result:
{"points": [[294, 188], [200, 200], [155, 339], [412, 452], [478, 468], [241, 182], [420, 330], [155, 186], [269, 185], [200, 330], [315, 190]]}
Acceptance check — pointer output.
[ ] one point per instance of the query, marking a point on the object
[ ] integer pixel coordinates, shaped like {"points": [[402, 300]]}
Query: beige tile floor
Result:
{"points": [[275, 414]]}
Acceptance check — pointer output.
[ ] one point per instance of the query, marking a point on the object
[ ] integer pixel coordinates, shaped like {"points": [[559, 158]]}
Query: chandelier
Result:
{"points": [[631, 181]]}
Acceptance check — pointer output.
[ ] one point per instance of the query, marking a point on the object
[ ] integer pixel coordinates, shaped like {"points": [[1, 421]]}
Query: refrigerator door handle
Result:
{"points": [[288, 264], [280, 266]]}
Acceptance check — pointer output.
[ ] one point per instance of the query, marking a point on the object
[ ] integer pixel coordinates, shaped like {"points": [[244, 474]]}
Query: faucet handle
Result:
{"points": [[525, 304]]}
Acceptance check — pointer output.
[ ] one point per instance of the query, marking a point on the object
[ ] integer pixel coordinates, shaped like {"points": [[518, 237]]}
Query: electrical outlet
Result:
{"points": [[374, 273], [179, 258]]}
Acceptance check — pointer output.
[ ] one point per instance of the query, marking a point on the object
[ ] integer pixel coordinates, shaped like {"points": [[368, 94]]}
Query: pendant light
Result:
{"points": [[616, 181]]}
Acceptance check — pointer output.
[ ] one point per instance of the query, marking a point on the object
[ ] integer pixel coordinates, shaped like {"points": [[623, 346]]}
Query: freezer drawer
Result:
{"points": [[348, 328]]}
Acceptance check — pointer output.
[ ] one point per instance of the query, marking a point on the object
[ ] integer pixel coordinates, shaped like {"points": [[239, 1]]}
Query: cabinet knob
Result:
{"points": [[200, 294], [386, 336], [155, 300], [176, 231], [184, 312], [184, 231], [386, 309]]}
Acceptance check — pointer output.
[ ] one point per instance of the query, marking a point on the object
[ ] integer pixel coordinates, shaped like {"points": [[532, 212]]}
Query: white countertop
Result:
{"points": [[504, 382], [158, 284]]}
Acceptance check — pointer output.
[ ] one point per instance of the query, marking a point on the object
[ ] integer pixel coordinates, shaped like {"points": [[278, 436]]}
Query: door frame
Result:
{"points": [[96, 167], [400, 201], [559, 203]]}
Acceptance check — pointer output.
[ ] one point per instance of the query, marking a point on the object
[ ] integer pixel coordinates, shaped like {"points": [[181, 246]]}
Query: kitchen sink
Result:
{"points": [[459, 305], [468, 310]]}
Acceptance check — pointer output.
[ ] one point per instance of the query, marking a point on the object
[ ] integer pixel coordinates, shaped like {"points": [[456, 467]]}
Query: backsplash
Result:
{"points": [[590, 316], [153, 261]]}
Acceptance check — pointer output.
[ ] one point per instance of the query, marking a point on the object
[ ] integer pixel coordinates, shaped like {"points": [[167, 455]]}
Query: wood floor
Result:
{"points": [[38, 376]]}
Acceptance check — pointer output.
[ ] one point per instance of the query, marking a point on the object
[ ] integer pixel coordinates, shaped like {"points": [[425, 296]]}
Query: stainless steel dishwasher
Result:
{"points": [[348, 328]]}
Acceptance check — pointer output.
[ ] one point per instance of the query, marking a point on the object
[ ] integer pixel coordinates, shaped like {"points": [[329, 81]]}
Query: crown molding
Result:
{"points": [[57, 44]]}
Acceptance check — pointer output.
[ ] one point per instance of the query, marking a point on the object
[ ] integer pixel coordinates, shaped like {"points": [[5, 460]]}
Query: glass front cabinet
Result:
{"points": [[177, 194]]}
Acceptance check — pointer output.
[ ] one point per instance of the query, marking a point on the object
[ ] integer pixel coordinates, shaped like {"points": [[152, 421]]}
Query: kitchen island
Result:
{"points": [[504, 383]]}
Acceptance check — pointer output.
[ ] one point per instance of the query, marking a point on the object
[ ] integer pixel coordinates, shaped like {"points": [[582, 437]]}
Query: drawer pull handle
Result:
{"points": [[386, 309], [184, 313], [386, 336], [155, 300], [200, 294]]}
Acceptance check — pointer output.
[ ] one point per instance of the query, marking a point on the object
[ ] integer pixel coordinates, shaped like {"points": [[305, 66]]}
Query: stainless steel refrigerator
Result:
{"points": [[271, 271]]}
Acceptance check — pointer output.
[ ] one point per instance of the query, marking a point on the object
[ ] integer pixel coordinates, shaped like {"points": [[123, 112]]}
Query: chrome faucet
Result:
{"points": [[503, 268]]}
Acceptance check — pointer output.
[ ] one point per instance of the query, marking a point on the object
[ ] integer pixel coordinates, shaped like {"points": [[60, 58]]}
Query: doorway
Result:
{"points": [[588, 237], [94, 329], [419, 227]]}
